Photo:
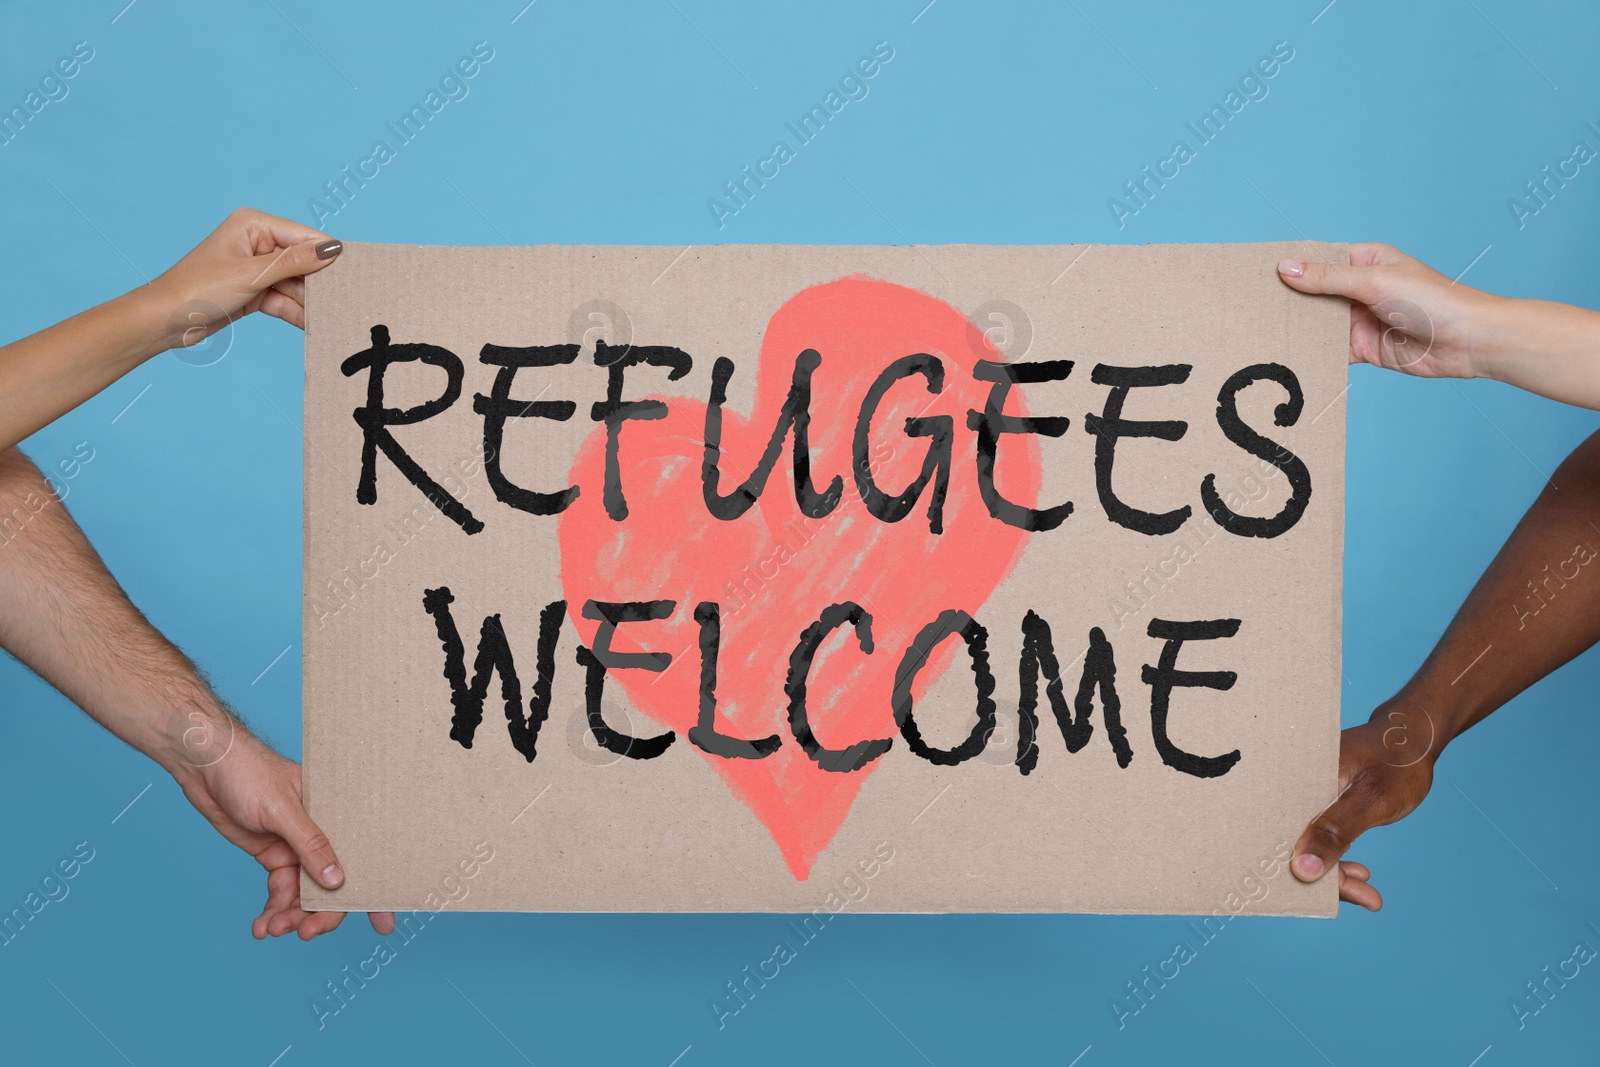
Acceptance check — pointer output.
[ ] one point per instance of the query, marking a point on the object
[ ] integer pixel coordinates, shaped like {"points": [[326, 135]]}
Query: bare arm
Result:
{"points": [[1546, 348], [1406, 316], [1536, 607], [65, 616], [253, 262]]}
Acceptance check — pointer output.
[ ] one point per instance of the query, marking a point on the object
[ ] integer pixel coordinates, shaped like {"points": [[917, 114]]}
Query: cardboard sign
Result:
{"points": [[755, 578]]}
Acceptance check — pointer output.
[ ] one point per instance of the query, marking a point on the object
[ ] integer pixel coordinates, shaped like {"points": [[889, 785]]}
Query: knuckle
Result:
{"points": [[317, 841], [1330, 831]]}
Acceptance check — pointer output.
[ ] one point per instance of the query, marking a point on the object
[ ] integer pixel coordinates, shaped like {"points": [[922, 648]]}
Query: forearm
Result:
{"points": [[1536, 607], [1546, 348], [65, 616], [53, 371]]}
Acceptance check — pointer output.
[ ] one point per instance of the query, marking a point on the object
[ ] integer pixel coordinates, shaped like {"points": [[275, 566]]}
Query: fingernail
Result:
{"points": [[1289, 268], [1309, 866], [327, 250], [332, 876]]}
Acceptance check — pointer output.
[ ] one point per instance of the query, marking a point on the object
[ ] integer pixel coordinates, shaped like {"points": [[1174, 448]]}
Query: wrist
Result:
{"points": [[155, 315], [1430, 709], [1411, 733], [143, 320], [195, 733], [1501, 336]]}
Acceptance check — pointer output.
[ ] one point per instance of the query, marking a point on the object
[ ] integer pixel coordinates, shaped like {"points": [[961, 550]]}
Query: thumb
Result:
{"points": [[311, 846], [1335, 279], [295, 261], [1330, 835]]}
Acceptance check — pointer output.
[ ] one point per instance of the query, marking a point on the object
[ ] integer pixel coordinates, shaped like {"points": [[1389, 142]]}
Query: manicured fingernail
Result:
{"points": [[329, 249], [1291, 268], [1308, 865], [332, 876]]}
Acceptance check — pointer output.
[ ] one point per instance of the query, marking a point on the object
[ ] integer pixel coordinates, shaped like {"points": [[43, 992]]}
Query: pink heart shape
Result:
{"points": [[773, 570]]}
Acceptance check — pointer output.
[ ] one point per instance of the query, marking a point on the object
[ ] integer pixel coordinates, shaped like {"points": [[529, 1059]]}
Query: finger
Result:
{"points": [[1357, 891], [258, 927], [1331, 833], [278, 855], [1366, 335], [1355, 870], [1347, 280], [291, 919], [307, 257], [382, 921], [320, 922], [312, 849], [293, 288], [282, 232], [288, 914], [275, 303], [283, 893]]}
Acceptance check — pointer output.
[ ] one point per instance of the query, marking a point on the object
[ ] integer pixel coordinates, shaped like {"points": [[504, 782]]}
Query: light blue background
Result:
{"points": [[995, 122]]}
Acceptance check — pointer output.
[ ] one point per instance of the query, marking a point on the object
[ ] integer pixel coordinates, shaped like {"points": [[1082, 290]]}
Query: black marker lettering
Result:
{"points": [[950, 621], [499, 406], [859, 754], [614, 410], [494, 654], [1110, 425], [796, 412], [1099, 670], [703, 734], [1162, 679], [937, 461], [601, 658], [993, 422], [375, 420], [1286, 414]]}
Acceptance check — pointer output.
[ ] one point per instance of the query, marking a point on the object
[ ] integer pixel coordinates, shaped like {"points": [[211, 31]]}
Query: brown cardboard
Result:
{"points": [[413, 813]]}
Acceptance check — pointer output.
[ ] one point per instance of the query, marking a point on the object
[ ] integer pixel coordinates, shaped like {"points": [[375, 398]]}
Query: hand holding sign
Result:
{"points": [[1406, 316]]}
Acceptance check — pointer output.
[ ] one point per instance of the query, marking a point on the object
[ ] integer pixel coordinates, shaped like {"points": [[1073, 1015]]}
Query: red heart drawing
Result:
{"points": [[773, 570]]}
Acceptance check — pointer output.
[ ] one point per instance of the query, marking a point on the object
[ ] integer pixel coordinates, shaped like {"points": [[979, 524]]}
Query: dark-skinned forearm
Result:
{"points": [[1536, 607]]}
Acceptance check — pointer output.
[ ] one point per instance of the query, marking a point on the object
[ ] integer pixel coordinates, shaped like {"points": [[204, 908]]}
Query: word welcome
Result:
{"points": [[53, 888], [53, 88], [1038, 658], [811, 125], [1141, 190], [453, 86], [850, 888], [1540, 191], [990, 426]]}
